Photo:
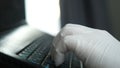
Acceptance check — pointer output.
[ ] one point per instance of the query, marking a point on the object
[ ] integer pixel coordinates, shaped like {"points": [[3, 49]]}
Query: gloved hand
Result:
{"points": [[95, 48]]}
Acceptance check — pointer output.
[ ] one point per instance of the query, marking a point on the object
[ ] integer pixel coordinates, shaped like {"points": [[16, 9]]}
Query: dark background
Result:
{"points": [[11, 13], [101, 14]]}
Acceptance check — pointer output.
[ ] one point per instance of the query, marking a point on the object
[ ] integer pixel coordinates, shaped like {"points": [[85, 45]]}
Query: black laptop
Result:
{"points": [[27, 47]]}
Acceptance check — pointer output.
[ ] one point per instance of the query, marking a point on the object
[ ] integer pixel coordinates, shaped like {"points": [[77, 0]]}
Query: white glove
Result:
{"points": [[95, 48]]}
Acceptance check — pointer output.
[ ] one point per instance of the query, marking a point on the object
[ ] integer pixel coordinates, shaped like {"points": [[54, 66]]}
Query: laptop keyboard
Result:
{"points": [[27, 51], [38, 52]]}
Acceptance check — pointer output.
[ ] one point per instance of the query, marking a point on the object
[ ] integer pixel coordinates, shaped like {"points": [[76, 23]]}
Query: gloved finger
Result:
{"points": [[69, 43], [78, 45], [58, 57], [58, 53]]}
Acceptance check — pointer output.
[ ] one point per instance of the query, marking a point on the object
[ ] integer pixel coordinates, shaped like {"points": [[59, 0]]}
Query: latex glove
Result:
{"points": [[96, 48]]}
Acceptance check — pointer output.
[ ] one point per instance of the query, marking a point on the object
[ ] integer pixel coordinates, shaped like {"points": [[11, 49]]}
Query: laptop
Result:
{"points": [[27, 47], [24, 46]]}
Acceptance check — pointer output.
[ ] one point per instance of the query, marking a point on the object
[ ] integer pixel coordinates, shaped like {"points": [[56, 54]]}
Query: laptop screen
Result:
{"points": [[43, 14]]}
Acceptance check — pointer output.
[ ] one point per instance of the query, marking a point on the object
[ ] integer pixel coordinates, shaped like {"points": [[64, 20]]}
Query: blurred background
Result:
{"points": [[51, 15]]}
